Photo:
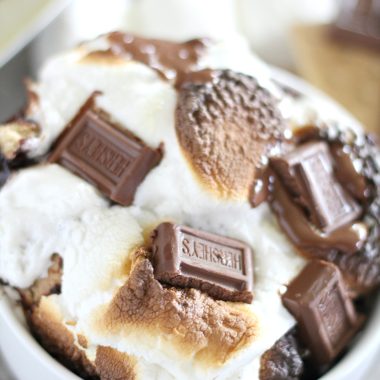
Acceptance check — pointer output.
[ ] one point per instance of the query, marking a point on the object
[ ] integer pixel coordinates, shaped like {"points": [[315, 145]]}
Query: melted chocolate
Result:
{"points": [[345, 171], [357, 168], [260, 189], [171, 60], [304, 235], [347, 175], [197, 77], [306, 133], [307, 173], [109, 157]]}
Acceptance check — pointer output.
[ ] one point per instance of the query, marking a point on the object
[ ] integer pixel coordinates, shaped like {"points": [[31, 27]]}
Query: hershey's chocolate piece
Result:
{"points": [[219, 266], [261, 187], [358, 171], [307, 172], [110, 158], [359, 22], [326, 316], [354, 182]]}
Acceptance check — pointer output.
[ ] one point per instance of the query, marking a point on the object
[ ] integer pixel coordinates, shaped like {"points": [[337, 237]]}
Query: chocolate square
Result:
{"points": [[308, 175], [326, 316], [217, 265], [107, 156]]}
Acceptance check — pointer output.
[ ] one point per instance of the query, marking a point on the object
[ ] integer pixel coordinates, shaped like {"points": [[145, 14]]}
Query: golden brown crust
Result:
{"points": [[225, 128], [46, 323], [13, 135], [198, 326], [114, 365], [51, 284]]}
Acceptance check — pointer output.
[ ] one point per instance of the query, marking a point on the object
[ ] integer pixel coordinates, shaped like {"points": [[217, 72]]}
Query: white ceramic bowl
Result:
{"points": [[29, 361]]}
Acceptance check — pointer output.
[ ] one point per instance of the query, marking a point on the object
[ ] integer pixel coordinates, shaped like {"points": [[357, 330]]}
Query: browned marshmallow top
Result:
{"points": [[226, 129]]}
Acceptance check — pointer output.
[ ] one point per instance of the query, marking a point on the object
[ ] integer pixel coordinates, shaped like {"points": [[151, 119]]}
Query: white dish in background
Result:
{"points": [[22, 20], [29, 361]]}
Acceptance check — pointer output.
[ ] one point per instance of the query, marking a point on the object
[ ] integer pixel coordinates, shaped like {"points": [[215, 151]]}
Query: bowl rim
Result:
{"points": [[21, 332], [366, 344]]}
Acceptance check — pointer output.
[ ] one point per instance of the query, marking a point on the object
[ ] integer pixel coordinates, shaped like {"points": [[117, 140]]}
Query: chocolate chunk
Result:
{"points": [[361, 271], [307, 172], [326, 316], [359, 22], [283, 361], [354, 182], [105, 155], [227, 128], [309, 240], [261, 186], [216, 265]]}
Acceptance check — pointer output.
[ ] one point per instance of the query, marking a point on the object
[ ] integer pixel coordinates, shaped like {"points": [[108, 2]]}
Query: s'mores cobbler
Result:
{"points": [[169, 211]]}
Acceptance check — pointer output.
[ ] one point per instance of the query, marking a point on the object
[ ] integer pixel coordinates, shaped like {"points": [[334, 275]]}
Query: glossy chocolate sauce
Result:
{"points": [[171, 60], [309, 239], [345, 171], [304, 235], [260, 189], [347, 175]]}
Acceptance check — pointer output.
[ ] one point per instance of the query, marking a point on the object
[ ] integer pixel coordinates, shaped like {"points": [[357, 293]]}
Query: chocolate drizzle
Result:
{"points": [[304, 235], [347, 175], [363, 269], [261, 187], [354, 248], [307, 173], [171, 60]]}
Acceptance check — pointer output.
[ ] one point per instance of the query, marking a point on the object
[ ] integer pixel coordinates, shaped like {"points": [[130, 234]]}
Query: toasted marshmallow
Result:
{"points": [[45, 210], [35, 204]]}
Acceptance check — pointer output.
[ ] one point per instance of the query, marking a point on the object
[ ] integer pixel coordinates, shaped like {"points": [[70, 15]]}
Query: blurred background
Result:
{"points": [[334, 44]]}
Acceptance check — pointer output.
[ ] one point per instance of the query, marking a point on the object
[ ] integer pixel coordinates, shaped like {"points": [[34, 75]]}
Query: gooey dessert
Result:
{"points": [[168, 211]]}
